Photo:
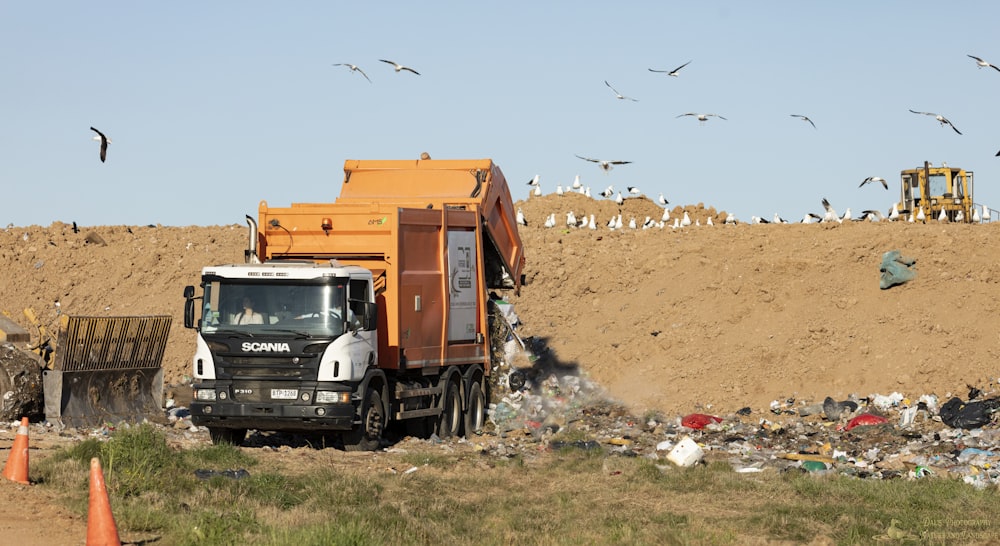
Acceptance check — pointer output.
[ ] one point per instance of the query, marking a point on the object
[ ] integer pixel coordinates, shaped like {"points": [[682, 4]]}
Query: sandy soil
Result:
{"points": [[720, 316], [704, 317]]}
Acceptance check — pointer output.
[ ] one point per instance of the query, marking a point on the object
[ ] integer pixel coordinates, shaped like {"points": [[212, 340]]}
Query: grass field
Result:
{"points": [[569, 496]]}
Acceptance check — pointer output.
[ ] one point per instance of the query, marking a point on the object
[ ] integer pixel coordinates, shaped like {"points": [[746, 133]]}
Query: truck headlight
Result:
{"points": [[333, 397], [204, 395]]}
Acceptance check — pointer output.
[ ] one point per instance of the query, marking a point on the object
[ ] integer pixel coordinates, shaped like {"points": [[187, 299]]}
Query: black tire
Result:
{"points": [[450, 422], [475, 411], [227, 436], [368, 435]]}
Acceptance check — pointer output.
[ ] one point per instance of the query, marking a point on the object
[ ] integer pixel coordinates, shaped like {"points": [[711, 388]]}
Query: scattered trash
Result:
{"points": [[699, 421], [866, 419], [896, 269], [686, 453], [958, 414], [205, 474]]}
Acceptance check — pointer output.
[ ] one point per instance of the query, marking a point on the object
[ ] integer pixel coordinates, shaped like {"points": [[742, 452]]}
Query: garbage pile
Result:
{"points": [[872, 437]]}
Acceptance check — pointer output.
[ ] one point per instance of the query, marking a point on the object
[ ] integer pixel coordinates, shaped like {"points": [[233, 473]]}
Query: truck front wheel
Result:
{"points": [[229, 436], [368, 435], [451, 412]]}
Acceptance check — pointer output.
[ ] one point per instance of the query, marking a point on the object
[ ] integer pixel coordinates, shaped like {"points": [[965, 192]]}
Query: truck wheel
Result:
{"points": [[475, 415], [368, 435], [451, 412], [228, 436]]}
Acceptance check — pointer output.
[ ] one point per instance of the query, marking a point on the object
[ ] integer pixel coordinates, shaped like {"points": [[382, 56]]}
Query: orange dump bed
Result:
{"points": [[437, 235]]}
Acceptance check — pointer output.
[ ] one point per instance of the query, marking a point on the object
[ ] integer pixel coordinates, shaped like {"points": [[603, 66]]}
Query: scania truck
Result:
{"points": [[369, 311]]}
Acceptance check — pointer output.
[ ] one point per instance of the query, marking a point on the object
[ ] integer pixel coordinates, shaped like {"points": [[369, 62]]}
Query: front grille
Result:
{"points": [[267, 367]]}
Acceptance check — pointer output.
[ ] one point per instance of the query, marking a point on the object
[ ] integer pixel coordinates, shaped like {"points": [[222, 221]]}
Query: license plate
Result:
{"points": [[284, 394]]}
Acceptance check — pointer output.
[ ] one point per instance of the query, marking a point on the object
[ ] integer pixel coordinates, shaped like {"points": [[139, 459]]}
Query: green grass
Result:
{"points": [[567, 496]]}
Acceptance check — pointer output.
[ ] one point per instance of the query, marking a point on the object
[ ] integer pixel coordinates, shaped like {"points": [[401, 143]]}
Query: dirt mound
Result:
{"points": [[707, 316]]}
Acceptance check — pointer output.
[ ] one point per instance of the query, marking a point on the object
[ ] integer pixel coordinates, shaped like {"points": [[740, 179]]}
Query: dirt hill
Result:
{"points": [[717, 317]]}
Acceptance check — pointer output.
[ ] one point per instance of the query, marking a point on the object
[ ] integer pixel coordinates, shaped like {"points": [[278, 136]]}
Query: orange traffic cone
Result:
{"points": [[101, 529], [16, 469]]}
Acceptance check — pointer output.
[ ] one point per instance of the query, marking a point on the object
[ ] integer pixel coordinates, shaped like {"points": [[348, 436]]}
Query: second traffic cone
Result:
{"points": [[101, 528], [16, 469]]}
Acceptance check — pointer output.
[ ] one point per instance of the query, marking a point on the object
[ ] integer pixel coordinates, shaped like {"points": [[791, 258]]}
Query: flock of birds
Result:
{"points": [[829, 215], [605, 165]]}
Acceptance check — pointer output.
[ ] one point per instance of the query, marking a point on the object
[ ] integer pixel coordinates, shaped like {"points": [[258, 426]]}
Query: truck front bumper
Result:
{"points": [[283, 417]]}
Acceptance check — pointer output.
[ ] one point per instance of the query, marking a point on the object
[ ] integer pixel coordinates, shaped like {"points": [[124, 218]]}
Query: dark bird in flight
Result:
{"points": [[104, 143], [673, 72], [399, 67]]}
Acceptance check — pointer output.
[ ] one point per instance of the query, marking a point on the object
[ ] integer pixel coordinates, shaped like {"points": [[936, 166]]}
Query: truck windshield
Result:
{"points": [[313, 308]]}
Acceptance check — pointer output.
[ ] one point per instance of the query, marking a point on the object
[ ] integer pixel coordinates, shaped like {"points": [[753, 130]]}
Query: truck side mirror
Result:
{"points": [[189, 307], [370, 317]]}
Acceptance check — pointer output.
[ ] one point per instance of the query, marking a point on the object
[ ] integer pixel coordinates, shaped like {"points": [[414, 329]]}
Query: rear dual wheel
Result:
{"points": [[450, 422], [475, 413]]}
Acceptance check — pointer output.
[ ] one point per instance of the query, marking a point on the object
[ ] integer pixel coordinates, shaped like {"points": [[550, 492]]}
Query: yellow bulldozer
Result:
{"points": [[937, 189]]}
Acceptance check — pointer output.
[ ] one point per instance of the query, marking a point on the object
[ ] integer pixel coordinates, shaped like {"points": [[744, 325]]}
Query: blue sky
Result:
{"points": [[214, 106]]}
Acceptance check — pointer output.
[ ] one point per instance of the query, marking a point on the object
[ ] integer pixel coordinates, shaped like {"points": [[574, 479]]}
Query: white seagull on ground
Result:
{"points": [[576, 183], [104, 143], [604, 164], [520, 217], [619, 199], [984, 64], [975, 215], [673, 72], [399, 67], [608, 192], [354, 68], [702, 117], [943, 120], [878, 179], [686, 221], [632, 190], [831, 214], [662, 200], [619, 95], [803, 118]]}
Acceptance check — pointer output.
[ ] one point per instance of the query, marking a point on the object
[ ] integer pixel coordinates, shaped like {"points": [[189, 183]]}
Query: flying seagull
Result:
{"points": [[875, 179], [104, 143], [619, 95], [673, 72], [983, 64], [804, 118], [702, 117], [399, 67], [604, 164], [354, 68], [940, 118]]}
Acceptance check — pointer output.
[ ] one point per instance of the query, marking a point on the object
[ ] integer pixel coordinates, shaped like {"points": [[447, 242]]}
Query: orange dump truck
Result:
{"points": [[350, 316]]}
